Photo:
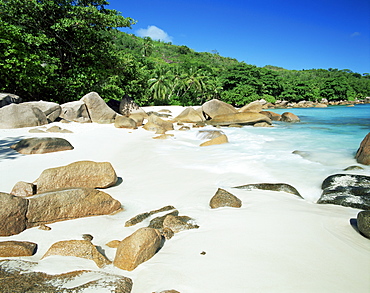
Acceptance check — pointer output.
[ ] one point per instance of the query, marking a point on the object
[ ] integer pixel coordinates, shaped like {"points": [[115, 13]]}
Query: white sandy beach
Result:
{"points": [[275, 242]]}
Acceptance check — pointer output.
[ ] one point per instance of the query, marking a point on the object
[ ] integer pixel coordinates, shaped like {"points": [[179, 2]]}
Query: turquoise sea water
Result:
{"points": [[301, 154]]}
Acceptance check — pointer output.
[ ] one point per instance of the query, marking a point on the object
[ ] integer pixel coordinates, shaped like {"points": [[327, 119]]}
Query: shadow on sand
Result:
{"points": [[6, 153]]}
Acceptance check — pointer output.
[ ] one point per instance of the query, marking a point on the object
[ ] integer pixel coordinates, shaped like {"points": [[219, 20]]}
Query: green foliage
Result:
{"points": [[56, 49], [62, 49]]}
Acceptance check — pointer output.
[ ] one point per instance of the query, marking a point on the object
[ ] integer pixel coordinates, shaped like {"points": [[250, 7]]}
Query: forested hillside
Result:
{"points": [[60, 50]]}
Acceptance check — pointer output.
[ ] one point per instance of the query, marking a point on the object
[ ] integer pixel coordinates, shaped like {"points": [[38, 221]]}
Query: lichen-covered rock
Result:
{"points": [[346, 190], [137, 248], [78, 174], [12, 214], [78, 248], [42, 145], [98, 110], [363, 223], [363, 152], [289, 117], [223, 198], [21, 115], [128, 107], [271, 186], [17, 248], [67, 204], [16, 276]]}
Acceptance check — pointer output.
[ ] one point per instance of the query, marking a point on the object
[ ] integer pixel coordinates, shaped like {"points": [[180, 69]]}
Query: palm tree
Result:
{"points": [[159, 85]]}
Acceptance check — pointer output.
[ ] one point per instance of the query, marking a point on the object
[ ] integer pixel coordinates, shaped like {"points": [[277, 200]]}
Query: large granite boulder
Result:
{"points": [[12, 214], [137, 248], [125, 122], [78, 248], [41, 145], [99, 111], [189, 115], [363, 223], [216, 107], [6, 99], [346, 190], [363, 152], [271, 186], [128, 106], [255, 106], [16, 276], [223, 198], [272, 115], [17, 248], [21, 115], [78, 174], [67, 204], [209, 134], [242, 118], [50, 109], [289, 117], [75, 111]]}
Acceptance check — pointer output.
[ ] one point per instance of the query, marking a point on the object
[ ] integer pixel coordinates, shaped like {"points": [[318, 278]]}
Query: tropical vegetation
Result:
{"points": [[59, 50]]}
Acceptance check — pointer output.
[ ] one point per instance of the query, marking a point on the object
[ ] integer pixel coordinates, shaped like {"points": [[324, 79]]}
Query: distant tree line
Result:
{"points": [[59, 50]]}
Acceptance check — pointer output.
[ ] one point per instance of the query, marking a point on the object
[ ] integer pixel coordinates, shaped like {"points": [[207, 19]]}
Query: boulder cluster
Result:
{"points": [[73, 191]]}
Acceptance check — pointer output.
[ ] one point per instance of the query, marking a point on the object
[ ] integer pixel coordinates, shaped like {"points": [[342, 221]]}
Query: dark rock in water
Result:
{"points": [[157, 223], [223, 198], [141, 217], [346, 190], [363, 152], [289, 117], [16, 276], [36, 145], [351, 168], [271, 186], [363, 223]]}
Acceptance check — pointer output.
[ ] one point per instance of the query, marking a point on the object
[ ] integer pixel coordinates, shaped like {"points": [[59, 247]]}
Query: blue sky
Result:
{"points": [[298, 34]]}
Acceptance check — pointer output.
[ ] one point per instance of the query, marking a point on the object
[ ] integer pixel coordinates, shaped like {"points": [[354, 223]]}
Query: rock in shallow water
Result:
{"points": [[16, 276], [271, 186], [363, 223], [346, 190], [223, 198]]}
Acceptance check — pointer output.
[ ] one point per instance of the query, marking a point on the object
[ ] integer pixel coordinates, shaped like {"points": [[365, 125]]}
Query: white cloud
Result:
{"points": [[355, 34], [155, 33]]}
